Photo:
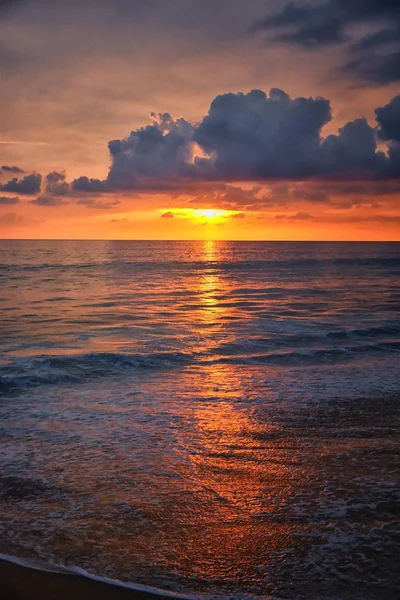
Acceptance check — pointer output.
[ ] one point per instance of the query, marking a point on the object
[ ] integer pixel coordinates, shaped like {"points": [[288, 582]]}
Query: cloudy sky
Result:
{"points": [[181, 119]]}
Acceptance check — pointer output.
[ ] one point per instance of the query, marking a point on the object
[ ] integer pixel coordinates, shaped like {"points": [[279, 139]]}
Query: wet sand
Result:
{"points": [[23, 583]]}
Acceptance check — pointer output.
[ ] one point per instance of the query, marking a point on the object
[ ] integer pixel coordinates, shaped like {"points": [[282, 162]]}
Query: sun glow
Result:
{"points": [[211, 214]]}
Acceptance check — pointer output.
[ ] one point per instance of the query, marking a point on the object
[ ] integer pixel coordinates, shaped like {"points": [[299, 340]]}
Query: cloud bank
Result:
{"points": [[251, 137], [374, 57], [246, 138]]}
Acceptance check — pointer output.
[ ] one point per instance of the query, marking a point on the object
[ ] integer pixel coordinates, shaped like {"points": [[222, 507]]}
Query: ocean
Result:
{"points": [[206, 418]]}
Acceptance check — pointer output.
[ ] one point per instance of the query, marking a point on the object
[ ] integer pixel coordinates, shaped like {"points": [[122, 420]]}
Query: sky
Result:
{"points": [[188, 119]]}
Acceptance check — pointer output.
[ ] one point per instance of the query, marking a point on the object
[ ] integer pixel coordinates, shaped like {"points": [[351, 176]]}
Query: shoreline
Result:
{"points": [[20, 580]]}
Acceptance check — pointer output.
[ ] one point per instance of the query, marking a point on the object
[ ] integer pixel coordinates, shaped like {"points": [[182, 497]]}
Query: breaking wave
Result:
{"points": [[31, 372]]}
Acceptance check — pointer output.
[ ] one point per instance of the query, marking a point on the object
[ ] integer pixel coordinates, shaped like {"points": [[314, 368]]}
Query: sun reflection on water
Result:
{"points": [[211, 286]]}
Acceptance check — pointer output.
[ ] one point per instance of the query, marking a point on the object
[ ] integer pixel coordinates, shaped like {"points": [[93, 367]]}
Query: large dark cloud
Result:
{"points": [[30, 184], [327, 22], [255, 136], [375, 56], [161, 150], [251, 137], [376, 67], [353, 151], [388, 118]]}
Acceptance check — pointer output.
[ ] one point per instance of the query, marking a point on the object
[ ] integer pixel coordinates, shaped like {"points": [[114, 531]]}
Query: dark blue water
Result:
{"points": [[206, 417]]}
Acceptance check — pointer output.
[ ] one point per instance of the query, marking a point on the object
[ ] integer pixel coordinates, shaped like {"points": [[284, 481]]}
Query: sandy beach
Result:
{"points": [[23, 583]]}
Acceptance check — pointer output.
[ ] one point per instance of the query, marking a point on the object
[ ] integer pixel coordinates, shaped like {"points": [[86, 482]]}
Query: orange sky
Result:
{"points": [[187, 224], [77, 76]]}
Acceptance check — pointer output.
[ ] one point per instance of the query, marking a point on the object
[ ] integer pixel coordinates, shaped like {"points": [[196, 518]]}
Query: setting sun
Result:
{"points": [[204, 215], [201, 215], [211, 214]]}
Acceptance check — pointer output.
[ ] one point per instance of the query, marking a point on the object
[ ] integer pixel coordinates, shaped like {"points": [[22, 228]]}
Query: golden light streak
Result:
{"points": [[202, 215]]}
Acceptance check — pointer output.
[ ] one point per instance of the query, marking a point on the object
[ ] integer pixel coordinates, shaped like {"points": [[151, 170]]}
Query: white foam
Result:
{"points": [[137, 587]]}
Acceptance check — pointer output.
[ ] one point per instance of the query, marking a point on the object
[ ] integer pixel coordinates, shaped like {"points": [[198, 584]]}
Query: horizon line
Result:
{"points": [[330, 241]]}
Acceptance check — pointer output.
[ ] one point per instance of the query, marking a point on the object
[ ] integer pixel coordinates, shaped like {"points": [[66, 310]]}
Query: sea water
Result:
{"points": [[215, 418]]}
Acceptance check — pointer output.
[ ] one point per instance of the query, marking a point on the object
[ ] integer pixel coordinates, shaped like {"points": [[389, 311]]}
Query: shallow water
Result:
{"points": [[205, 417]]}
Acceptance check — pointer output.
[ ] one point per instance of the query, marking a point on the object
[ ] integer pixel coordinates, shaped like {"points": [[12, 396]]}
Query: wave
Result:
{"points": [[289, 340], [201, 264], [21, 372], [365, 332], [319, 356], [31, 372]]}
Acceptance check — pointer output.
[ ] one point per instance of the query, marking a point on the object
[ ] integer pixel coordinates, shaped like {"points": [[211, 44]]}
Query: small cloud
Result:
{"points": [[98, 204], [48, 200], [391, 219], [300, 216], [12, 169], [9, 200], [167, 215], [86, 184], [310, 195], [12, 219], [56, 184], [231, 197], [239, 216], [30, 184]]}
